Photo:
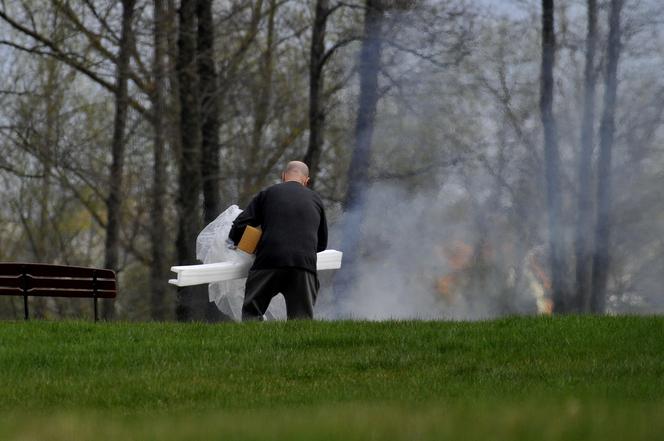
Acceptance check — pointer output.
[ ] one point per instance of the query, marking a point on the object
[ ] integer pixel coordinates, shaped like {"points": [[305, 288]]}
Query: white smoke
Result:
{"points": [[407, 252]]}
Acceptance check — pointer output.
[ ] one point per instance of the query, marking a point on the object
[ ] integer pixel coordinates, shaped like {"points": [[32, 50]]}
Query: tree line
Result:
{"points": [[208, 99]]}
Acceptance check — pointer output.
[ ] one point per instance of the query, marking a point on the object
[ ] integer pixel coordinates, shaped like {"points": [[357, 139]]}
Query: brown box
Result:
{"points": [[249, 240]]}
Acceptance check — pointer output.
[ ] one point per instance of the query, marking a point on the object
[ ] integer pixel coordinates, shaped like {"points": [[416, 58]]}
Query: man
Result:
{"points": [[294, 230]]}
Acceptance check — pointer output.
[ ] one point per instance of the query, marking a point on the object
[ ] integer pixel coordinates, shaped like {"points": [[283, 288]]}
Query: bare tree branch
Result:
{"points": [[339, 44], [96, 42], [57, 53], [383, 176]]}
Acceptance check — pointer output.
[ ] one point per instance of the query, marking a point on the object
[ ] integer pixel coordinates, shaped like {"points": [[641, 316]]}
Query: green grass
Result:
{"points": [[520, 378]]}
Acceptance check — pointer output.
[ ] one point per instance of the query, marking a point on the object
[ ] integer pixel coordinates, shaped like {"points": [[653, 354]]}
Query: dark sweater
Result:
{"points": [[294, 227]]}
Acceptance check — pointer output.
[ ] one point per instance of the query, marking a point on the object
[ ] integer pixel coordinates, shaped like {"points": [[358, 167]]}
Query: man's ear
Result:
{"points": [[306, 182]]}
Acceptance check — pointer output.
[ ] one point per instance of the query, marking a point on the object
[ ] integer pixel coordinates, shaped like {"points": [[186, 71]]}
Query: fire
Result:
{"points": [[459, 257], [540, 284]]}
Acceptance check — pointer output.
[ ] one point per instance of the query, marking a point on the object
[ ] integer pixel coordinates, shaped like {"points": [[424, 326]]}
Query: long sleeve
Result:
{"points": [[252, 215], [322, 231]]}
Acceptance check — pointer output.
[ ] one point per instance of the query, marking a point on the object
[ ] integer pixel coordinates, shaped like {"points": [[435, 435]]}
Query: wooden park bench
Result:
{"points": [[40, 280]]}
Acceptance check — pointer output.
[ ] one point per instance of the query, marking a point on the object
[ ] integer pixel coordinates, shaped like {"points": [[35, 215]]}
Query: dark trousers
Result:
{"points": [[299, 287]]}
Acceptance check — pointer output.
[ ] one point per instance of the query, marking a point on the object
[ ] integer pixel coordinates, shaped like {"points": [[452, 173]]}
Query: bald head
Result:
{"points": [[297, 167], [296, 171]]}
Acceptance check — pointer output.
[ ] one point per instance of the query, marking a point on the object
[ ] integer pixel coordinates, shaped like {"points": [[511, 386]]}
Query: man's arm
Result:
{"points": [[322, 231], [252, 215]]}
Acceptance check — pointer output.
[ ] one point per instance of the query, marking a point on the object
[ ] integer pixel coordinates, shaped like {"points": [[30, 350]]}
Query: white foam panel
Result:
{"points": [[188, 275]]}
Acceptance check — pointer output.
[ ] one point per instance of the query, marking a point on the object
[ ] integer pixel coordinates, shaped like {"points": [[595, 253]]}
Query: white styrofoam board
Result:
{"points": [[188, 275]]}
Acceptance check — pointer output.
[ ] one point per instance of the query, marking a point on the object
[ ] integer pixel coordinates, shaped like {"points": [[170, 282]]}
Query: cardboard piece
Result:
{"points": [[249, 240]]}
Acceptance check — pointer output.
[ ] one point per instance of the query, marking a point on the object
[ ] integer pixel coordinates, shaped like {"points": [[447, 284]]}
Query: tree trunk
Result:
{"points": [[316, 87], [158, 269], [584, 203], [262, 100], [173, 131], [43, 250], [189, 304], [601, 256], [53, 103], [354, 204], [210, 112], [113, 205], [552, 166]]}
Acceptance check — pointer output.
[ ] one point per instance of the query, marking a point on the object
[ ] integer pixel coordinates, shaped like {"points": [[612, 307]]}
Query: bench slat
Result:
{"points": [[11, 282], [108, 285], [44, 270], [84, 293], [10, 291]]}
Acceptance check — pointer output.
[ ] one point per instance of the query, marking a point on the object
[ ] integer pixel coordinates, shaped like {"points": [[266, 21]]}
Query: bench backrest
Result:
{"points": [[35, 279]]}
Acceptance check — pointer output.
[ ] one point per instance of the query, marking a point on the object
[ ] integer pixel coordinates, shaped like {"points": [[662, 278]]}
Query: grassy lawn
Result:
{"points": [[521, 378]]}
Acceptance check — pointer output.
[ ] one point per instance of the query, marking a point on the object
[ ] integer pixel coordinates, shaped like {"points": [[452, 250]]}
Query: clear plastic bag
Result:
{"points": [[212, 247]]}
